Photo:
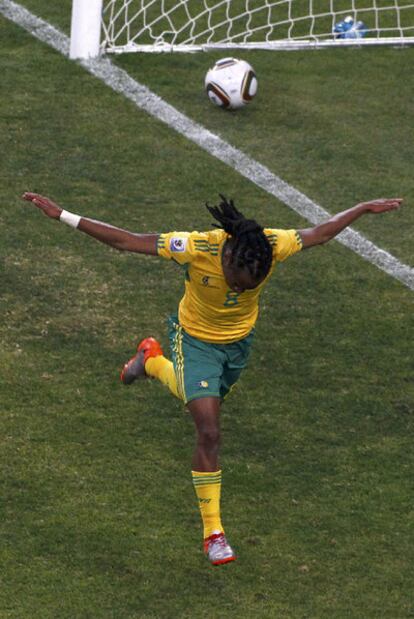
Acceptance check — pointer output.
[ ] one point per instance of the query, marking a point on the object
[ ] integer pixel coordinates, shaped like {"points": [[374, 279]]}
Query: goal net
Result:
{"points": [[192, 25]]}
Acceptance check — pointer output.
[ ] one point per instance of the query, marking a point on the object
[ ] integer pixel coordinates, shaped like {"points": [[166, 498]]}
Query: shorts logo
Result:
{"points": [[178, 244], [205, 280], [203, 383]]}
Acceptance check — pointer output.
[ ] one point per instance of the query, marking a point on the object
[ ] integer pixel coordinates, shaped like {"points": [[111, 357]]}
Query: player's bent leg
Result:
{"points": [[163, 369], [207, 478]]}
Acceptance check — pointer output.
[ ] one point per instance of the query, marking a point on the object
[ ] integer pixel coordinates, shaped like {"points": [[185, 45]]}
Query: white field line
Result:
{"points": [[121, 82]]}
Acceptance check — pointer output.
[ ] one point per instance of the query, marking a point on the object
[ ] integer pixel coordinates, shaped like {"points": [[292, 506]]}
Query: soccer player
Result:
{"points": [[225, 272]]}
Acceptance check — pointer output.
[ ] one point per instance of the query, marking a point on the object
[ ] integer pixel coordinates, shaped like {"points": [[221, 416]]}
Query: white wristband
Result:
{"points": [[70, 218]]}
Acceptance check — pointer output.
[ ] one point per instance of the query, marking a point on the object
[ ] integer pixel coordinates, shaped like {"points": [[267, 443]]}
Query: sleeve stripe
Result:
{"points": [[272, 238], [161, 242], [204, 246]]}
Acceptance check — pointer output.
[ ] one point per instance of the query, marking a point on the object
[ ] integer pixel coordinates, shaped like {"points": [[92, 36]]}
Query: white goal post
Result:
{"points": [[118, 26]]}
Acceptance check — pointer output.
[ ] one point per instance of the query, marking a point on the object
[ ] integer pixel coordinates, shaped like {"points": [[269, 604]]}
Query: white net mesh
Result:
{"points": [[156, 25]]}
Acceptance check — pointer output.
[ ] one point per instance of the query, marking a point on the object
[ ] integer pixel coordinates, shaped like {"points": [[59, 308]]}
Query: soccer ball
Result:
{"points": [[231, 83]]}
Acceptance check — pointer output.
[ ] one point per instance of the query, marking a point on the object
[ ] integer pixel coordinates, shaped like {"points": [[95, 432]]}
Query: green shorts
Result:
{"points": [[203, 369]]}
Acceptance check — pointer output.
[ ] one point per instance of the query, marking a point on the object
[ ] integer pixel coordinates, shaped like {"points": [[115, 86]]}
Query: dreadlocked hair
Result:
{"points": [[250, 248]]}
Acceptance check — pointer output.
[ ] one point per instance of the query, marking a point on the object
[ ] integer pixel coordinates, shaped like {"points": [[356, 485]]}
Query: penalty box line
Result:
{"points": [[145, 99]]}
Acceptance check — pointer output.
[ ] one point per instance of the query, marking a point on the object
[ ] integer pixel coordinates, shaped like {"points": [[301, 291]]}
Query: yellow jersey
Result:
{"points": [[209, 309]]}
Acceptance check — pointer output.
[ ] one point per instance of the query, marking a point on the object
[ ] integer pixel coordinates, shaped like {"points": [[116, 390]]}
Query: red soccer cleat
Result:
{"points": [[218, 550], [135, 367]]}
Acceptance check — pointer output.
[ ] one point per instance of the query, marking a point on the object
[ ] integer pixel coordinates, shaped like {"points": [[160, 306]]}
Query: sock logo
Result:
{"points": [[204, 501]]}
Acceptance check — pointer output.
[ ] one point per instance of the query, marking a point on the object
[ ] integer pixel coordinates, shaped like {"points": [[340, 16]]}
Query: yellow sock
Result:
{"points": [[208, 487], [160, 367]]}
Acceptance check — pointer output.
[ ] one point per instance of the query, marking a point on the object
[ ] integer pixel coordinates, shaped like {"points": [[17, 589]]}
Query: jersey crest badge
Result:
{"points": [[178, 244]]}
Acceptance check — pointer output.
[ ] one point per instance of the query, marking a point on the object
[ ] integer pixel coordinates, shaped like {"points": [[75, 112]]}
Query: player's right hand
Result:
{"points": [[381, 205], [50, 208]]}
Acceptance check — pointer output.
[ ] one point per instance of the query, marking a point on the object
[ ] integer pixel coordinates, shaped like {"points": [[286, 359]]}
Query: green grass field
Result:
{"points": [[98, 514]]}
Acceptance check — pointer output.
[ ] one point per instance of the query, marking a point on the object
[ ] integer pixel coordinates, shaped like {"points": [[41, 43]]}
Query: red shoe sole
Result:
{"points": [[223, 561]]}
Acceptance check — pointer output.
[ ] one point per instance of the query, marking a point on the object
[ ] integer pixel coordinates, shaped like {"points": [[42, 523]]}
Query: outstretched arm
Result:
{"points": [[115, 237], [326, 231]]}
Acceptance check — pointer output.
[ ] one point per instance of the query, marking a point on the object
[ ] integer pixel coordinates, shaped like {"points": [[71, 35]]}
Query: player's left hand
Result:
{"points": [[49, 208], [382, 205]]}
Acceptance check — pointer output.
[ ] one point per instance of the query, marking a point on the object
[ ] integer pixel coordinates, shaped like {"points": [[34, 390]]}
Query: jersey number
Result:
{"points": [[232, 298]]}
